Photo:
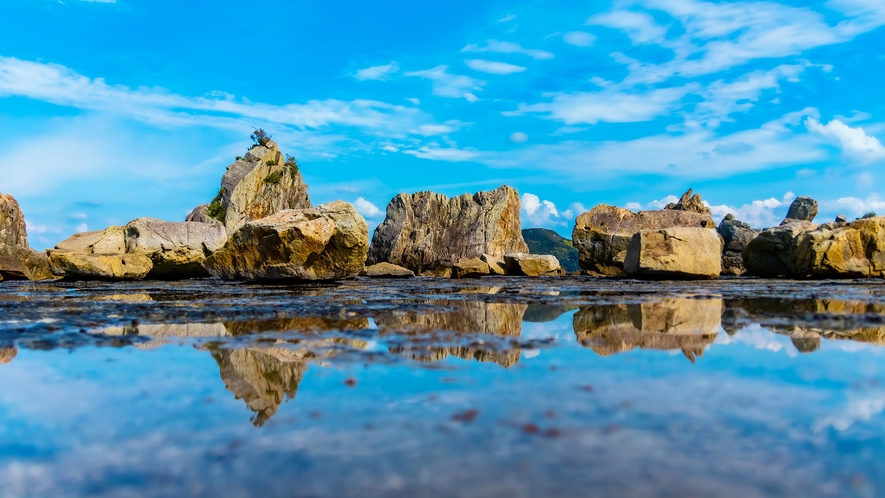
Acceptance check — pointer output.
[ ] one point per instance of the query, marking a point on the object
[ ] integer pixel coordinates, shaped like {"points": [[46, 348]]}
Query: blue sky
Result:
{"points": [[115, 110]]}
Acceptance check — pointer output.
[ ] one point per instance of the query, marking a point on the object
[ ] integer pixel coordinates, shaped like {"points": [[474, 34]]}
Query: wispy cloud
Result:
{"points": [[450, 85], [579, 38], [508, 48], [376, 72], [854, 141], [493, 67]]}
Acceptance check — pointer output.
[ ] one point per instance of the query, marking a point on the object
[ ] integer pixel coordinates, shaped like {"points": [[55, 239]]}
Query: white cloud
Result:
{"points": [[579, 38], [854, 207], [854, 141], [519, 137], [33, 229], [79, 216], [508, 48], [413, 100], [639, 26], [858, 409], [366, 209], [493, 67], [376, 72], [661, 204], [450, 85], [436, 153], [543, 213], [507, 18], [82, 227], [759, 213]]}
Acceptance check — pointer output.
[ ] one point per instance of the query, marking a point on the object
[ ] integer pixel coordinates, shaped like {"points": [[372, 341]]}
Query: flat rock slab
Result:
{"points": [[78, 265], [386, 270]]}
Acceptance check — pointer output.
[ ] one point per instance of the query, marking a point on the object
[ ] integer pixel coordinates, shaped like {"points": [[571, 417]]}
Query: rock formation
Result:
{"points": [[177, 250], [328, 242], [683, 324], [200, 214], [256, 186], [735, 236], [772, 252], [386, 270], [533, 265], [17, 260], [423, 230], [497, 266], [688, 202], [802, 209], [678, 252], [470, 268], [602, 235]]}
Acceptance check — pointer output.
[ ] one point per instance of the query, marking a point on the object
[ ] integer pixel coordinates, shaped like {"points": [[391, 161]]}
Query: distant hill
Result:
{"points": [[543, 241]]}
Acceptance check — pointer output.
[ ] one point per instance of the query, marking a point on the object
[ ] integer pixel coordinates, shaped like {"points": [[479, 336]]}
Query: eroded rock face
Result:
{"points": [[533, 265], [259, 185], [773, 252], [603, 234], [683, 324], [852, 250], [802, 209], [423, 229], [735, 237], [87, 266], [386, 270], [678, 252], [328, 242], [177, 249], [690, 202], [14, 250]]}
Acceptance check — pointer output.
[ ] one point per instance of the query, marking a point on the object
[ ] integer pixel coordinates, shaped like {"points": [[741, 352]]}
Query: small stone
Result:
{"points": [[386, 270], [533, 265]]}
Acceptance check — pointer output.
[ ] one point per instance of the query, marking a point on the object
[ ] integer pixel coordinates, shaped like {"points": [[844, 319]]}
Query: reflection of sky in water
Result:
{"points": [[644, 399]]}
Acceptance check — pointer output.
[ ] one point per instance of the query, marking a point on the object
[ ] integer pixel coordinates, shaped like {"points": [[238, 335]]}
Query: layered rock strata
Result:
{"points": [[17, 260], [329, 242], [424, 231], [176, 250]]}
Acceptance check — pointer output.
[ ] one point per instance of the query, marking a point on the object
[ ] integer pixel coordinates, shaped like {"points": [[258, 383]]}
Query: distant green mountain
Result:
{"points": [[543, 241]]}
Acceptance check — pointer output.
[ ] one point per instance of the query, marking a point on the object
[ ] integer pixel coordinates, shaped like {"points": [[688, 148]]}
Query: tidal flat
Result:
{"points": [[500, 386]]}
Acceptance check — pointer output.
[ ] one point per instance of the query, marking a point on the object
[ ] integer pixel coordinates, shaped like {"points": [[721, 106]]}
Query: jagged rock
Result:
{"points": [[802, 209], [423, 229], [735, 236], [678, 252], [328, 242], [80, 265], [13, 240], [841, 218], [843, 251], [200, 214], [38, 266], [259, 185], [602, 235], [497, 266], [772, 252], [177, 249], [443, 269], [683, 324], [533, 265], [688, 202], [468, 268], [386, 270]]}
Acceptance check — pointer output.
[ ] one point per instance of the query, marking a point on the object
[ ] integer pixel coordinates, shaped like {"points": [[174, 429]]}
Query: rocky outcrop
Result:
{"points": [[802, 209], [38, 266], [683, 324], [260, 184], [176, 249], [386, 270], [328, 242], [603, 234], [533, 265], [773, 252], [689, 202], [678, 252], [200, 214], [87, 266], [14, 251], [424, 229], [470, 268], [735, 237]]}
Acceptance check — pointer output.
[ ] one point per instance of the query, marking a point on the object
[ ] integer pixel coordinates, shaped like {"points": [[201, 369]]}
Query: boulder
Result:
{"points": [[14, 249], [497, 266], [386, 270], [533, 265], [841, 218], [108, 241], [329, 242], [443, 269], [688, 202], [81, 265], [735, 236], [772, 252], [678, 252], [200, 214], [422, 230], [603, 234], [469, 268], [853, 250], [38, 266], [802, 209], [177, 249], [258, 185]]}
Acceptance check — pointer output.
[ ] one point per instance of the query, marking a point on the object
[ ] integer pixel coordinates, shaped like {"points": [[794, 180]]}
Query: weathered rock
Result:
{"points": [[841, 218], [422, 229], [772, 252], [842, 251], [602, 235], [328, 242], [177, 249], [386, 270], [802, 209], [259, 185], [533, 265], [200, 214], [735, 236], [80, 265], [13, 240], [688, 202], [443, 269], [38, 266], [468, 268], [111, 240], [497, 266], [678, 252]]}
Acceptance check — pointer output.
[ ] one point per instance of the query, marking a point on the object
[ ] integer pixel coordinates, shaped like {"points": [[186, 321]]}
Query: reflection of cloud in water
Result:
{"points": [[858, 409], [689, 325], [758, 337]]}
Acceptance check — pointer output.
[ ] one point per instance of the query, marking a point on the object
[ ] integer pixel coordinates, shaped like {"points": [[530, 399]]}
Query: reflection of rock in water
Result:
{"points": [[539, 313], [298, 324], [685, 324], [468, 317], [7, 354], [261, 380], [806, 344]]}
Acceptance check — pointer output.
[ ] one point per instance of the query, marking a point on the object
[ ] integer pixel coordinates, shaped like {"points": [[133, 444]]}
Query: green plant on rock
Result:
{"points": [[237, 158], [216, 208], [260, 137], [271, 163], [273, 178], [868, 214], [292, 164]]}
